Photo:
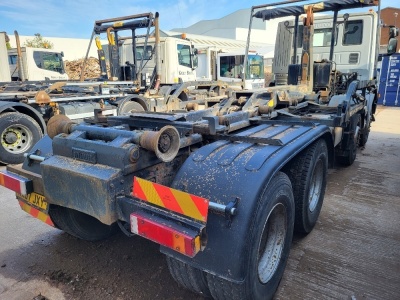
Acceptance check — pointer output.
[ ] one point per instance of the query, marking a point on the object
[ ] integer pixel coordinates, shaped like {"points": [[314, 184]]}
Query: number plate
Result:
{"points": [[35, 200]]}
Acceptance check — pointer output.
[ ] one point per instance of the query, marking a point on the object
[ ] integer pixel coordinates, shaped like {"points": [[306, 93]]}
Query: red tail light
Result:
{"points": [[15, 183]]}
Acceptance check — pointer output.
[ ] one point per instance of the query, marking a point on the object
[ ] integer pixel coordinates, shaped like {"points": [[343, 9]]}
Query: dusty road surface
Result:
{"points": [[353, 253]]}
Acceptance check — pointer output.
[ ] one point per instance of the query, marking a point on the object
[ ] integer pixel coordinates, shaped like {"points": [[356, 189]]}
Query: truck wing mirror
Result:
{"points": [[195, 62], [392, 46], [195, 59], [345, 19], [393, 32]]}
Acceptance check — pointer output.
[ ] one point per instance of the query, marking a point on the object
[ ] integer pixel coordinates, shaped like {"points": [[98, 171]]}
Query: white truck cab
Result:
{"points": [[355, 45], [38, 64], [230, 69], [177, 58], [182, 61]]}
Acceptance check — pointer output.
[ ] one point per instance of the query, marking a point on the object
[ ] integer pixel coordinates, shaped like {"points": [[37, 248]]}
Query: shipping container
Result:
{"points": [[389, 83]]}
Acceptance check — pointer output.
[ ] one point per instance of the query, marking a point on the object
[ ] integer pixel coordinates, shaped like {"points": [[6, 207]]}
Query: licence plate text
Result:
{"points": [[35, 199]]}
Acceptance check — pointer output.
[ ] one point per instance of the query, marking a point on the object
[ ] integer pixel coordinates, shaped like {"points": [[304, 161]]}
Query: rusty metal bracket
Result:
{"points": [[213, 124]]}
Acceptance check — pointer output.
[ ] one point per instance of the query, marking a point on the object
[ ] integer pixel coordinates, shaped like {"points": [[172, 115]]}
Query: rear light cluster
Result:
{"points": [[185, 243], [169, 217], [15, 183]]}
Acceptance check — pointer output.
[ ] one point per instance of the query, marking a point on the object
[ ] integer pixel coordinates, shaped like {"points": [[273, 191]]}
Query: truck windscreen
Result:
{"points": [[49, 61], [255, 67]]}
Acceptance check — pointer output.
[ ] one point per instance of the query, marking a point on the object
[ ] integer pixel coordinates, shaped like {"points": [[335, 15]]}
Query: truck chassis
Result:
{"points": [[221, 189]]}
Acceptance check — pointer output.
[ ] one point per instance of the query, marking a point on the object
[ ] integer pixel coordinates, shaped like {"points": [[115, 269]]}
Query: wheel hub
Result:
{"points": [[16, 139], [11, 137]]}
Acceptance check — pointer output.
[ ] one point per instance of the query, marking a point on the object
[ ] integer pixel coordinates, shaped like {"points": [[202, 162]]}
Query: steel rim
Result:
{"points": [[272, 243], [16, 139], [357, 135], [316, 186]]}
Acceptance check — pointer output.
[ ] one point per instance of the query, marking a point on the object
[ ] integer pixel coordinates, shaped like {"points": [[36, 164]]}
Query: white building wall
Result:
{"points": [[235, 26], [266, 35], [72, 48], [257, 35]]}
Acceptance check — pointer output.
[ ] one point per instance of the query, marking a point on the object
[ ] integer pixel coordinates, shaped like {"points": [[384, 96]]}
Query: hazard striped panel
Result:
{"points": [[177, 201], [15, 183], [183, 242], [36, 213]]}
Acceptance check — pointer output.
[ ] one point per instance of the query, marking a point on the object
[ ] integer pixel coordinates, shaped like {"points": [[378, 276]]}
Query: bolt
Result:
{"points": [[134, 154]]}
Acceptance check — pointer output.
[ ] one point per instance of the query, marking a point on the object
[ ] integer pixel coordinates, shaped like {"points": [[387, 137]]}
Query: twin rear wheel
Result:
{"points": [[270, 241], [291, 201], [357, 137], [307, 174]]}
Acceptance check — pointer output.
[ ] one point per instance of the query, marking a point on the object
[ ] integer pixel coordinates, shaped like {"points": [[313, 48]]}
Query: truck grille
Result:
{"points": [[353, 58]]}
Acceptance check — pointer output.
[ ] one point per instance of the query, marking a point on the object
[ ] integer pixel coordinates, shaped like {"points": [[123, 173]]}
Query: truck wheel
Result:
{"points": [[308, 176], [129, 107], [364, 135], [353, 142], [190, 278], [19, 132], [269, 244], [80, 225]]}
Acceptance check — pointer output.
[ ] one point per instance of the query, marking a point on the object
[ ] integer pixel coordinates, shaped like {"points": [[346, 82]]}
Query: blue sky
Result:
{"points": [[75, 18]]}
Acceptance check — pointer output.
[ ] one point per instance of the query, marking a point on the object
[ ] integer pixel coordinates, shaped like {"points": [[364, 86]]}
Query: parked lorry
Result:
{"points": [[354, 51], [227, 66], [220, 189], [38, 64], [183, 59], [31, 64], [26, 107]]}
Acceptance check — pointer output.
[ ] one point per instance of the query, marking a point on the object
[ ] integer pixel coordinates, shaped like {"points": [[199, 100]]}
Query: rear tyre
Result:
{"points": [[308, 176], [364, 135], [80, 225], [18, 134], [353, 142], [270, 239], [190, 278], [129, 107], [367, 123]]}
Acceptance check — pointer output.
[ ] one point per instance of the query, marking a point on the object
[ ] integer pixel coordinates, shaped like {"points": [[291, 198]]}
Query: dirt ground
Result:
{"points": [[353, 253]]}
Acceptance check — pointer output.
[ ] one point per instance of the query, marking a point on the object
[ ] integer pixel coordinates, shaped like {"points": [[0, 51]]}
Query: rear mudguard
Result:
{"points": [[224, 171]]}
